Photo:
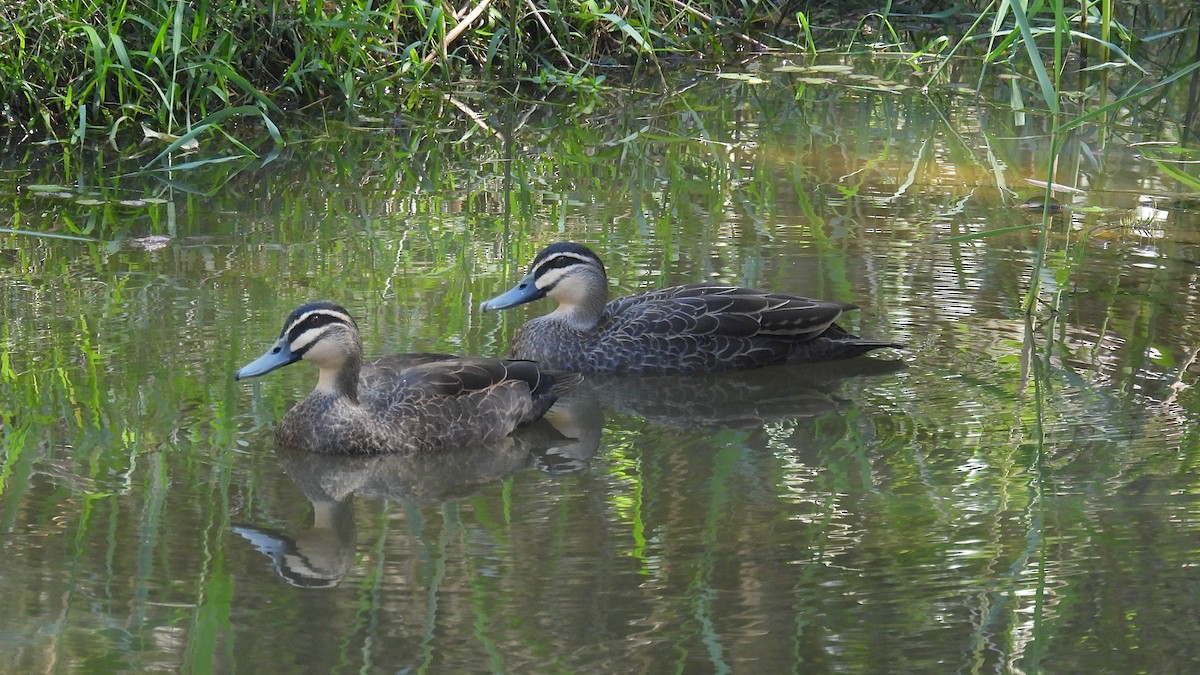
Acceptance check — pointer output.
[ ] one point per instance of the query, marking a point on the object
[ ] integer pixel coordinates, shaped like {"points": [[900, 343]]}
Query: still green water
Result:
{"points": [[1009, 493]]}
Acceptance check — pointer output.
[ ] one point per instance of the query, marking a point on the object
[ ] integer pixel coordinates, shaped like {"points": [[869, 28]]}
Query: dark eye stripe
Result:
{"points": [[560, 261], [304, 340], [313, 321]]}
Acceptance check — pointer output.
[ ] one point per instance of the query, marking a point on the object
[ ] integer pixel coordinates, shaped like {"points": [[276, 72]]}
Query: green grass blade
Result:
{"points": [[984, 235], [1049, 95], [211, 120], [199, 163], [629, 30], [1124, 100], [1174, 172], [46, 235], [1111, 47]]}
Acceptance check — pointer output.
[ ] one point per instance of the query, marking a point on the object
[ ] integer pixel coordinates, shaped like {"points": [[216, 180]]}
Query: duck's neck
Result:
{"points": [[341, 379], [582, 313]]}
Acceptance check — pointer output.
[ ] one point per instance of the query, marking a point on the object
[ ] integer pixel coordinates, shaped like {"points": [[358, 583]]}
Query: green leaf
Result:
{"points": [[47, 235], [629, 30], [1124, 100], [245, 86], [985, 234], [199, 163], [1049, 95], [1179, 175], [211, 120], [1110, 46], [177, 30], [119, 47], [98, 49]]}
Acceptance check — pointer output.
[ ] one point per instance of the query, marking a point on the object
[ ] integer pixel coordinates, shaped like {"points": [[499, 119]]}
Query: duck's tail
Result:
{"points": [[834, 344], [546, 387], [564, 381]]}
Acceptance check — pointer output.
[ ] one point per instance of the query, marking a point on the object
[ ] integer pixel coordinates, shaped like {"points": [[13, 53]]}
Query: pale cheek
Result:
{"points": [[568, 294], [325, 355]]}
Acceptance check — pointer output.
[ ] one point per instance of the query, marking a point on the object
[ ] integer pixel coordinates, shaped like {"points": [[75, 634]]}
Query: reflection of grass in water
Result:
{"points": [[107, 432]]}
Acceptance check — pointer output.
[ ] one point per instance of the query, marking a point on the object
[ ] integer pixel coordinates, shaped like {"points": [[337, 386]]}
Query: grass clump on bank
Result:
{"points": [[72, 70], [67, 65]]}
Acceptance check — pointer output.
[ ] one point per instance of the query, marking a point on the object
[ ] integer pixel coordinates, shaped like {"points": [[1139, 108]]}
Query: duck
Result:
{"points": [[403, 403], [681, 330]]}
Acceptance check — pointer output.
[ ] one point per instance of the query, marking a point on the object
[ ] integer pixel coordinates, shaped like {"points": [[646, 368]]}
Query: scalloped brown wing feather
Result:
{"points": [[705, 309], [507, 393]]}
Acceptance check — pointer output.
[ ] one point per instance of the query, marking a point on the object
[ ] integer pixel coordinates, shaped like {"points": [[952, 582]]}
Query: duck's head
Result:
{"points": [[323, 333], [569, 273]]}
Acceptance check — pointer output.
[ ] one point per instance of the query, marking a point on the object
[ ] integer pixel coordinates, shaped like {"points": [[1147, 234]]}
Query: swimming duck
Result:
{"points": [[696, 328], [404, 403]]}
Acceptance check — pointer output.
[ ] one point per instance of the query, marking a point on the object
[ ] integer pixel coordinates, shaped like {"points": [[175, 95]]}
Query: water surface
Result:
{"points": [[1012, 492]]}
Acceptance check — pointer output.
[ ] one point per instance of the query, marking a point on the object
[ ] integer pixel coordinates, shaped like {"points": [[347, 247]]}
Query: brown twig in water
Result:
{"points": [[475, 116], [538, 16], [458, 29]]}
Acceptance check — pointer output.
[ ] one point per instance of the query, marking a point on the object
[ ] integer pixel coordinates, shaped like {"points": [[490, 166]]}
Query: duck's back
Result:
{"points": [[458, 401], [695, 328], [424, 402]]}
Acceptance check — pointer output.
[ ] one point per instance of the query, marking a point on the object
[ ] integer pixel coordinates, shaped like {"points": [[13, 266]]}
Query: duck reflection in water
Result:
{"points": [[738, 399], [319, 556]]}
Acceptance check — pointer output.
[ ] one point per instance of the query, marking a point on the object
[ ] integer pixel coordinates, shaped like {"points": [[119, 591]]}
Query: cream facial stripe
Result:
{"points": [[553, 269], [304, 340], [555, 260], [550, 279]]}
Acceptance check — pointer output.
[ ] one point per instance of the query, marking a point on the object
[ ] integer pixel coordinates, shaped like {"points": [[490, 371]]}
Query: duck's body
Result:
{"points": [[399, 404], [691, 329]]}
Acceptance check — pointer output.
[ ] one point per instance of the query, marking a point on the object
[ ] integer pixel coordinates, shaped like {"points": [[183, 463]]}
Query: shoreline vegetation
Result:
{"points": [[81, 72], [256, 77]]}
